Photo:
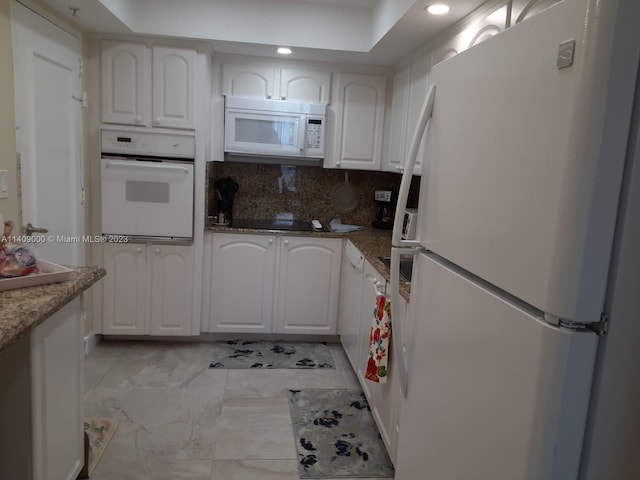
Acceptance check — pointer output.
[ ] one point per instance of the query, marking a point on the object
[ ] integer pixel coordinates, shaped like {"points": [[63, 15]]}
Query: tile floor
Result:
{"points": [[178, 419]]}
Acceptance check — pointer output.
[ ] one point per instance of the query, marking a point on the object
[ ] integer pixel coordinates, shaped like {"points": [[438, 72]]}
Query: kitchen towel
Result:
{"points": [[338, 226], [379, 341]]}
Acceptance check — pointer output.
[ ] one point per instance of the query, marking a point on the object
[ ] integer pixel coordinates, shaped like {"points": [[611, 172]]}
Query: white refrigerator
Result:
{"points": [[517, 216]]}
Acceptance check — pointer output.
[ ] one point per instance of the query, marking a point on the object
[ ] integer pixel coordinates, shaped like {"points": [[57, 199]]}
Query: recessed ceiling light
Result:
{"points": [[284, 50], [438, 9]]}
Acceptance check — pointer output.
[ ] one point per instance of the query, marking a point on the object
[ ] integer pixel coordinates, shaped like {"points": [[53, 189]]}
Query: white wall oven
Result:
{"points": [[147, 184]]}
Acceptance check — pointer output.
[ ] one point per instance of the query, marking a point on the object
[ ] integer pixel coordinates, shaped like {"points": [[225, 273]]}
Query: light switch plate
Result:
{"points": [[565, 54], [4, 188]]}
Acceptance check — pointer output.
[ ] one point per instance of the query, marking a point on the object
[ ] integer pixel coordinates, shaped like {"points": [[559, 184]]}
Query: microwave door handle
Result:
{"points": [[302, 132], [146, 166]]}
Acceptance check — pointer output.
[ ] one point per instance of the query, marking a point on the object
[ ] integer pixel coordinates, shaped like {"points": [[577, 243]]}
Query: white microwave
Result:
{"points": [[274, 128]]}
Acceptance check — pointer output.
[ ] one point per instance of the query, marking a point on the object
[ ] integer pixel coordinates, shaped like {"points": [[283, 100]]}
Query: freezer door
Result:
{"points": [[493, 392], [513, 190]]}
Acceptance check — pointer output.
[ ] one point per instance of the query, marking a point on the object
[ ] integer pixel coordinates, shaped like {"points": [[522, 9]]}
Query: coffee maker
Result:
{"points": [[386, 201], [225, 189]]}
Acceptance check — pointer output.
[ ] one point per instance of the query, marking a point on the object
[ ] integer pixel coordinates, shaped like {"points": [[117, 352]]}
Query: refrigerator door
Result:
{"points": [[513, 190], [493, 391]]}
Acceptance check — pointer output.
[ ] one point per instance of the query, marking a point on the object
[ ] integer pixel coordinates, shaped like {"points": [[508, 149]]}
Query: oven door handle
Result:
{"points": [[146, 166]]}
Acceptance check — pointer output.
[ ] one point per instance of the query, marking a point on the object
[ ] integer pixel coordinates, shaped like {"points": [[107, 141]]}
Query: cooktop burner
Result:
{"points": [[288, 225]]}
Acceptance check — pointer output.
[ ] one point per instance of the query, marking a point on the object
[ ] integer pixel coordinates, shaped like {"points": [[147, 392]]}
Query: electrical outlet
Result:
{"points": [[4, 188]]}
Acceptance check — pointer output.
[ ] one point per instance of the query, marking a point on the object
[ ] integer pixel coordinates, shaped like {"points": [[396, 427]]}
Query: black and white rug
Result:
{"points": [[336, 435], [262, 354]]}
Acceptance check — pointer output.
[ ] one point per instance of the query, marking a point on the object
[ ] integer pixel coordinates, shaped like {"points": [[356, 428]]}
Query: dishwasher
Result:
{"points": [[351, 300]]}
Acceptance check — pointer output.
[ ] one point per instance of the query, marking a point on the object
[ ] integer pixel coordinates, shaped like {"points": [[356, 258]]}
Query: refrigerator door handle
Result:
{"points": [[409, 163], [400, 349]]}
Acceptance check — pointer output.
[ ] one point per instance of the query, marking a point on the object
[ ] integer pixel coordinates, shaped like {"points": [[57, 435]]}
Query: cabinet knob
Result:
{"points": [[138, 119], [286, 242], [283, 97], [157, 121], [139, 250], [268, 95], [157, 251], [337, 164], [270, 241]]}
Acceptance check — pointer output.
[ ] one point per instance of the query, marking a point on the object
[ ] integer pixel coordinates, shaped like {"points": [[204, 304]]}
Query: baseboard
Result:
{"points": [[91, 341]]}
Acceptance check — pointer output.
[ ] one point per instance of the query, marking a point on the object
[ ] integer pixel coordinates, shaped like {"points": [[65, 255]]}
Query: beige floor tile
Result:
{"points": [[273, 382], [343, 365], [169, 469], [254, 437], [254, 470]]}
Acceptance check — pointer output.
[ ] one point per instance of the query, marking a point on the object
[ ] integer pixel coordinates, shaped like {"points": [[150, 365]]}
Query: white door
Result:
{"points": [[174, 85], [49, 134], [309, 285], [170, 289], [493, 391]]}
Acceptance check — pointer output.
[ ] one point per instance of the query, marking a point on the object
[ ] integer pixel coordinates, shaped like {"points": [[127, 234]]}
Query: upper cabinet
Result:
{"points": [[174, 84], [409, 94], [261, 81], [359, 105], [124, 72], [148, 86]]}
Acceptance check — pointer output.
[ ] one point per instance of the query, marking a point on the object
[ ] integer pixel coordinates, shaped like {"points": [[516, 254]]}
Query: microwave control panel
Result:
{"points": [[315, 134]]}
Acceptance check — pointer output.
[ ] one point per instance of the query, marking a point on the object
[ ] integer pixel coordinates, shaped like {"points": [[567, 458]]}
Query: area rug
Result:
{"points": [[262, 354], [336, 435], [98, 434]]}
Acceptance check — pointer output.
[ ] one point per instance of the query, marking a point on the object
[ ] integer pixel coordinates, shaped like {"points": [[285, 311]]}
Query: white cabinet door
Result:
{"points": [[124, 289], [309, 86], [170, 287], [57, 357], [242, 277], [395, 152], [256, 81], [359, 106], [124, 78], [383, 398], [174, 84], [309, 285], [417, 95]]}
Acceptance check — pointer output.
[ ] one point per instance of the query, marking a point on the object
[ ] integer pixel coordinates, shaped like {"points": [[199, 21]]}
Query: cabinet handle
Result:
{"points": [[139, 250], [157, 251], [138, 119], [283, 97], [268, 95]]}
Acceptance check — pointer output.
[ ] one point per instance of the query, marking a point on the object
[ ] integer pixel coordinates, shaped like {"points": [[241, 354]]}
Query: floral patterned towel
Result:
{"points": [[379, 341]]}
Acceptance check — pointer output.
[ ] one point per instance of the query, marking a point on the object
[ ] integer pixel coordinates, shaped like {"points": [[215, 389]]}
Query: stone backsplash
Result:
{"points": [[297, 192]]}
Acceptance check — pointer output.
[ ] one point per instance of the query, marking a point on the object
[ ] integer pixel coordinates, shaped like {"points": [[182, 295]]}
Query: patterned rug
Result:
{"points": [[336, 435], [98, 433], [244, 354]]}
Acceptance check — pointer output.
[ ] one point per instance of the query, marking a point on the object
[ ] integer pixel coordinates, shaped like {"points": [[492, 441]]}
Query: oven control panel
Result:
{"points": [[156, 144]]}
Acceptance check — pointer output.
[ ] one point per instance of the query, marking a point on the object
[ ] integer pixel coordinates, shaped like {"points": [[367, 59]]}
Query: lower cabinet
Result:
{"points": [[148, 289], [271, 284], [57, 395], [241, 274], [384, 398]]}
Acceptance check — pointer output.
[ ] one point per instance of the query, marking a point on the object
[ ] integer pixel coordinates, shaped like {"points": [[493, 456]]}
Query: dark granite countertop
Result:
{"points": [[23, 308], [372, 242]]}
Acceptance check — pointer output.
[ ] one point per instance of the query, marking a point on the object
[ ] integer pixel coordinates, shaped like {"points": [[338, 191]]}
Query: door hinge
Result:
{"points": [[80, 67], [83, 196]]}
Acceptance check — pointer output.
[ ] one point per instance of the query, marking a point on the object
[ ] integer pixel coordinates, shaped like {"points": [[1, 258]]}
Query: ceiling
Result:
{"points": [[359, 31]]}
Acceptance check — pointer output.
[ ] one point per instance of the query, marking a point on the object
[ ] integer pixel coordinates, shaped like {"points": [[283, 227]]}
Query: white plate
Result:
{"points": [[49, 273]]}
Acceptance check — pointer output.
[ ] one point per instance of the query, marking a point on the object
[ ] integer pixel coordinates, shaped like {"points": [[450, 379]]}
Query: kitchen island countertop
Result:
{"points": [[24, 308], [372, 242]]}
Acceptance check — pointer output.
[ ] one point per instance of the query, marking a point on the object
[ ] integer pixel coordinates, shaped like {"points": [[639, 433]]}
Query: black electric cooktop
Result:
{"points": [[287, 225]]}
